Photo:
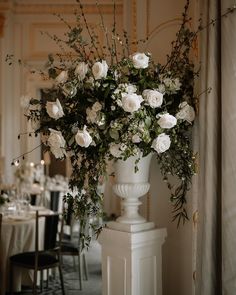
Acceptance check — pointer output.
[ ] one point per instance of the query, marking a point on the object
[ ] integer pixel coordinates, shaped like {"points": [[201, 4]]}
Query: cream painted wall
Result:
{"points": [[24, 21], [160, 21]]}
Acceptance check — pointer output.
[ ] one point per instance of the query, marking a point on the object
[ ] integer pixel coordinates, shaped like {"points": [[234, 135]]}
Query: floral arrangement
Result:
{"points": [[108, 103], [3, 199], [24, 174], [27, 174]]}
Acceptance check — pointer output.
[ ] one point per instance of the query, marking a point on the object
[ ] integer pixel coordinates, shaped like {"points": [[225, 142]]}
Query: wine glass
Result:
{"points": [[25, 202]]}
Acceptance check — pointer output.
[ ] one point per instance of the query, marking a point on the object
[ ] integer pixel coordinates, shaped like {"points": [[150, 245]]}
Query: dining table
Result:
{"points": [[17, 236]]}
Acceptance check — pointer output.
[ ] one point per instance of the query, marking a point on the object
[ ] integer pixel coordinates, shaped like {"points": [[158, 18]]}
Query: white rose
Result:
{"points": [[136, 138], [140, 60], [62, 77], [99, 70], [131, 102], [153, 97], [83, 138], [91, 115], [161, 143], [96, 107], [57, 143], [5, 196], [115, 150], [186, 112], [168, 82], [167, 121], [54, 109], [173, 85], [81, 70], [129, 88]]}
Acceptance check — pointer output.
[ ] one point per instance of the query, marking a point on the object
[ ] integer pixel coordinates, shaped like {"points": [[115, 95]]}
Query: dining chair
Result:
{"points": [[0, 225], [54, 200], [48, 258], [0, 229], [73, 248]]}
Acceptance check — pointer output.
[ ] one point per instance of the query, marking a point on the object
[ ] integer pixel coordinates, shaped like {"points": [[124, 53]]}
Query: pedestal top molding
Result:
{"points": [[134, 240]]}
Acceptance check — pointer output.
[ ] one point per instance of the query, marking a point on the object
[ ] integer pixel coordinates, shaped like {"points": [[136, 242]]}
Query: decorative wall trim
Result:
{"points": [[147, 18], [5, 5], [66, 8], [163, 26], [2, 20], [134, 25]]}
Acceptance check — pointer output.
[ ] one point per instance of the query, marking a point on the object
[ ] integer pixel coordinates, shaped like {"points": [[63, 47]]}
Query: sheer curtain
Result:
{"points": [[216, 233]]}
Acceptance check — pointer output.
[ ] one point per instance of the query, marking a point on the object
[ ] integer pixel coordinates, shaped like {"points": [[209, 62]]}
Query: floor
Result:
{"points": [[91, 287]]}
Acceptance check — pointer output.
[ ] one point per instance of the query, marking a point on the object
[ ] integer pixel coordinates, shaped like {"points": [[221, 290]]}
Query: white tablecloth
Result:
{"points": [[17, 237]]}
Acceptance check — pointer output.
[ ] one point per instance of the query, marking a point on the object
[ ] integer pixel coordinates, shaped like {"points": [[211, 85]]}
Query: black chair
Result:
{"points": [[33, 199], [73, 248], [70, 246], [37, 260], [54, 200], [0, 225]]}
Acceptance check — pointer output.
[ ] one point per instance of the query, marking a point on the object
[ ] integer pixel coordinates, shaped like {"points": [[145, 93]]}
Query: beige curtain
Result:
{"points": [[229, 151], [209, 156], [216, 231]]}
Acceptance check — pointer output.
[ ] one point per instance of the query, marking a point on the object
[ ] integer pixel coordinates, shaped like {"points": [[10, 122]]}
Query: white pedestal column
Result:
{"points": [[132, 261]]}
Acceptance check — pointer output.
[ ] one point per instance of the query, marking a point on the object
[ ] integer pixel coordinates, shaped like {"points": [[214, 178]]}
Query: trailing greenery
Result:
{"points": [[107, 103]]}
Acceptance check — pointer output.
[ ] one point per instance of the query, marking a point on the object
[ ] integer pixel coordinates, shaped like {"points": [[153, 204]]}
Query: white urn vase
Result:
{"points": [[130, 186]]}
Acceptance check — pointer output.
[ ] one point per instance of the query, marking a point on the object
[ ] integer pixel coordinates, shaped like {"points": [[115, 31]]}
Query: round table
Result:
{"points": [[17, 236]]}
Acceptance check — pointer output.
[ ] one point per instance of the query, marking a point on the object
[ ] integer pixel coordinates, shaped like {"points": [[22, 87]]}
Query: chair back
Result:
{"points": [[54, 200], [0, 227], [33, 199], [51, 230]]}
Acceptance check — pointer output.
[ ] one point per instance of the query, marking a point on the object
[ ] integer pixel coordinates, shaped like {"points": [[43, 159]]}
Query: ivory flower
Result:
{"points": [[81, 70], [161, 143], [186, 112], [54, 109], [140, 60], [115, 150], [131, 102], [167, 121], [99, 70], [154, 98], [83, 138], [57, 143]]}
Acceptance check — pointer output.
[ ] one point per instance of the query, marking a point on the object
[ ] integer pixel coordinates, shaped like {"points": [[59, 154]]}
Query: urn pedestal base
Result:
{"points": [[132, 228], [132, 261]]}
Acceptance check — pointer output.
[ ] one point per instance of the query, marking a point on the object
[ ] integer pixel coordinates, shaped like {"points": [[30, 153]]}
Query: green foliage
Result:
{"points": [[115, 116]]}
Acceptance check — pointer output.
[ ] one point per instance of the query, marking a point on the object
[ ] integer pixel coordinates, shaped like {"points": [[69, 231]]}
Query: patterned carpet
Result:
{"points": [[70, 274]]}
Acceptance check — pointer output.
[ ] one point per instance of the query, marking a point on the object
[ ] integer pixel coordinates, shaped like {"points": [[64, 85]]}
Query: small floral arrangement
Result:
{"points": [[108, 103], [3, 199], [24, 173], [28, 173]]}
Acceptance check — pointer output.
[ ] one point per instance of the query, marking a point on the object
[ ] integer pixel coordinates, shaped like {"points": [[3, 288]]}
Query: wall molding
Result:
{"points": [[63, 7], [163, 26], [2, 21]]}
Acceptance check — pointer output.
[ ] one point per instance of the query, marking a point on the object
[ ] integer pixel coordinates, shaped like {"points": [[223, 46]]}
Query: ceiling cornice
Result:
{"points": [[57, 6]]}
